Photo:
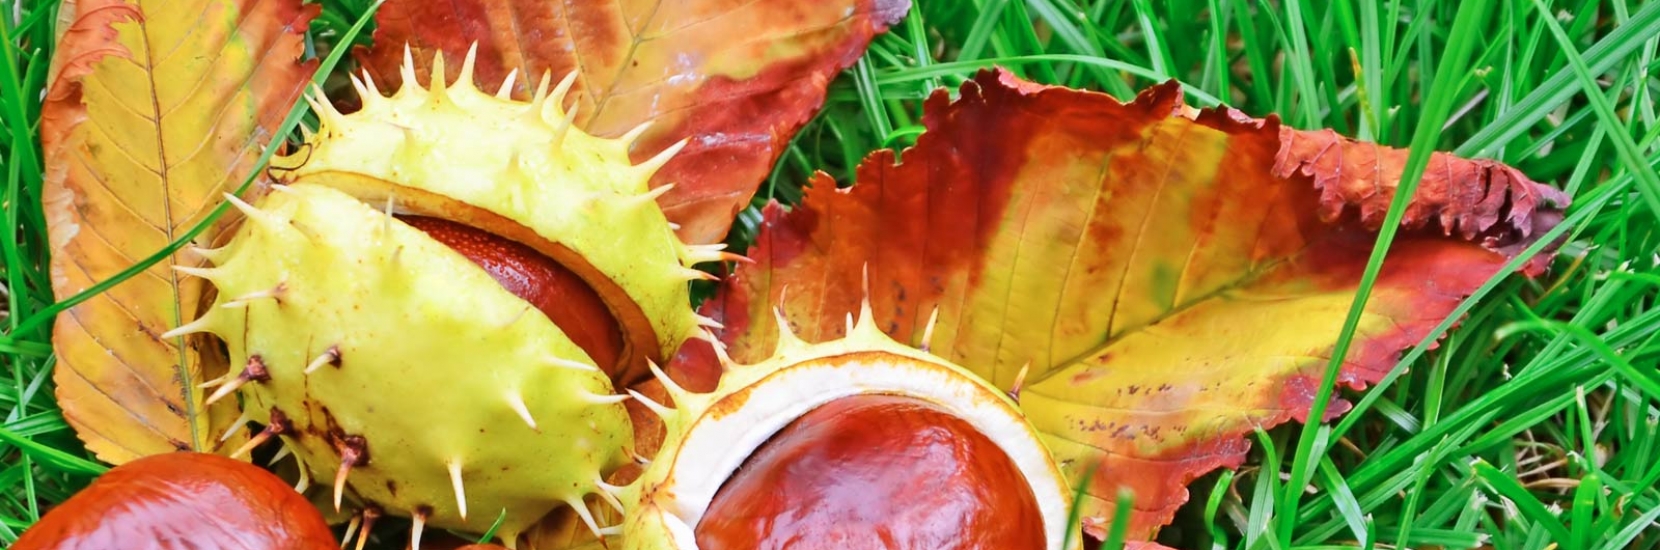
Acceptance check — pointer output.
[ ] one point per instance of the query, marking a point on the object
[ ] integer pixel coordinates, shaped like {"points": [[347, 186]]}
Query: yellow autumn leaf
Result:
{"points": [[154, 110]]}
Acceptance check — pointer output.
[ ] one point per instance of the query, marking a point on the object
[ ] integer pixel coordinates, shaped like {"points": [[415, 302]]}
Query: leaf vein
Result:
{"points": [[634, 40], [219, 118], [1077, 249], [201, 16], [1141, 233], [214, 64], [100, 389], [74, 315], [98, 178]]}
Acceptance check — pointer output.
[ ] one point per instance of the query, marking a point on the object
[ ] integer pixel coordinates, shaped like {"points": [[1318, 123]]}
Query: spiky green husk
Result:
{"points": [[424, 149], [401, 368], [708, 436], [417, 351]]}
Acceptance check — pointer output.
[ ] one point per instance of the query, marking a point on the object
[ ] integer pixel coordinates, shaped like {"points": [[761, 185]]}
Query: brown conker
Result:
{"points": [[179, 501], [557, 292], [875, 471]]}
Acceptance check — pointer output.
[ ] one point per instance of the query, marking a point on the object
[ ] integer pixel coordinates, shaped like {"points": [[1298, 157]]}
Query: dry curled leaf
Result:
{"points": [[736, 78], [1167, 279], [154, 110], [1478, 199]]}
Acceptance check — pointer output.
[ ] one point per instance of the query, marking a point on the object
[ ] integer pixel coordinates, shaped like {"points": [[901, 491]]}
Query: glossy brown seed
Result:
{"points": [[179, 501], [566, 300], [875, 471]]}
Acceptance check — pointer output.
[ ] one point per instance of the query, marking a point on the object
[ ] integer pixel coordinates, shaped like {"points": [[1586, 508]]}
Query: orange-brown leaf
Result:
{"points": [[154, 110], [736, 77], [1170, 285]]}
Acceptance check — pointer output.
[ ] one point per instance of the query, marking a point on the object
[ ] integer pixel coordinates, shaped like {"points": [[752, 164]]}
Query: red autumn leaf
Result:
{"points": [[1171, 278], [736, 77]]}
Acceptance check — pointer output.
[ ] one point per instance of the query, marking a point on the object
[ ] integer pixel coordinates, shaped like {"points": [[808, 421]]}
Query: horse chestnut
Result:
{"points": [[857, 442], [553, 289], [875, 471], [179, 501]]}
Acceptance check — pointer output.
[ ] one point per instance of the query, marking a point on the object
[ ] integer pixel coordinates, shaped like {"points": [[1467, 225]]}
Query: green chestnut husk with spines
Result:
{"points": [[399, 368]]}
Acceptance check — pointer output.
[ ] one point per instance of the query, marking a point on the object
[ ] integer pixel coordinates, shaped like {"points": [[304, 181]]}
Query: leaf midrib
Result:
{"points": [[1248, 277], [163, 171]]}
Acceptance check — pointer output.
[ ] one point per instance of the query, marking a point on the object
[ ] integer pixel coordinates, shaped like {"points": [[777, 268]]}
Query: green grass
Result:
{"points": [[1536, 422], [42, 461]]}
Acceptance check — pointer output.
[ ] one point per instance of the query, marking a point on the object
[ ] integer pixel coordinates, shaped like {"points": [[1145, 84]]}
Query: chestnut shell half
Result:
{"points": [[875, 471]]}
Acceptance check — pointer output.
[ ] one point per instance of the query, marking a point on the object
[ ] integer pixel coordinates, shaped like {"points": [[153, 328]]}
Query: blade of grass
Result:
{"points": [[1464, 36], [1647, 180], [1555, 91], [1505, 484], [56, 458]]}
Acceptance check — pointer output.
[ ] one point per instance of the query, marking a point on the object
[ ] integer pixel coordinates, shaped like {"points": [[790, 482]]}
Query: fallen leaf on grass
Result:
{"points": [[1504, 211], [1171, 279], [737, 77], [154, 111]]}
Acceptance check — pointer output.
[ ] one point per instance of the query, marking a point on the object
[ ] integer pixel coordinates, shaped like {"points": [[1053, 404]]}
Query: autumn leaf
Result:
{"points": [[1171, 279], [154, 111], [1502, 213], [736, 77]]}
